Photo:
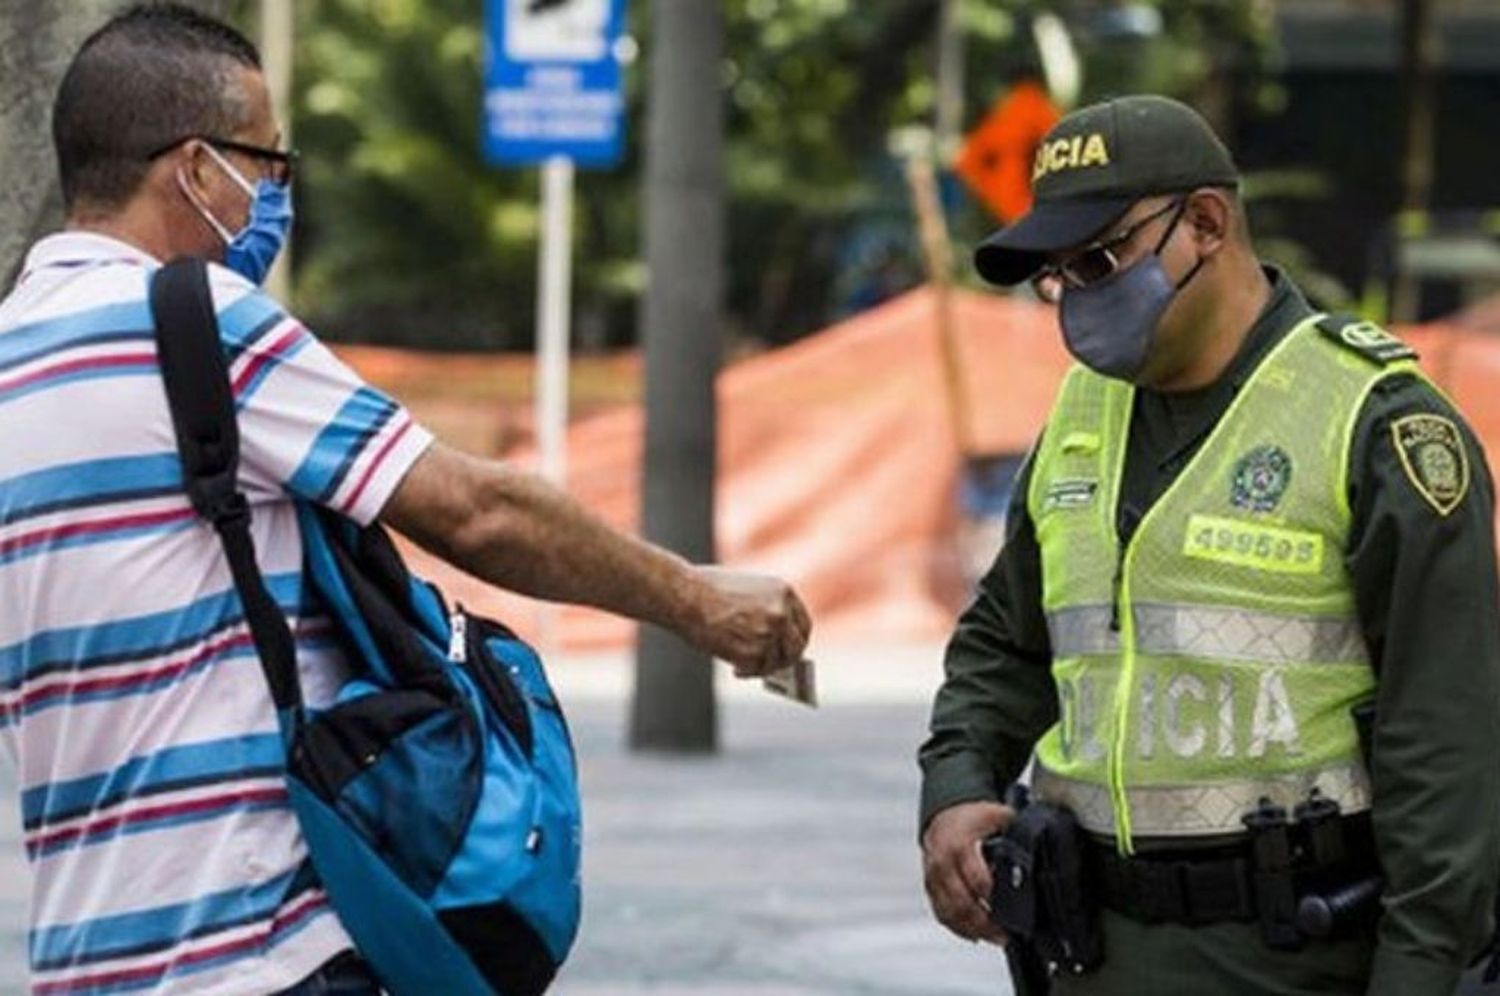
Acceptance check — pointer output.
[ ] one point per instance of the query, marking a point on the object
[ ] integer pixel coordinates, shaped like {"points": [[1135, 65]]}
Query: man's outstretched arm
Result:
{"points": [[513, 529]]}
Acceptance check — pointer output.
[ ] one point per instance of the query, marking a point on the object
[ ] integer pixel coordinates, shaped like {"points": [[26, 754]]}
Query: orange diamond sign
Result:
{"points": [[996, 158]]}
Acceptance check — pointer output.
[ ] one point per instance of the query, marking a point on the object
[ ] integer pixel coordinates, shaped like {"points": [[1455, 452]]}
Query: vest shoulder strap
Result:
{"points": [[1366, 339]]}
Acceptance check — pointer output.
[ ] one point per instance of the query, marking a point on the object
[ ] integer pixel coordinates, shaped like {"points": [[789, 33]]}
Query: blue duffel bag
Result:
{"points": [[438, 794]]}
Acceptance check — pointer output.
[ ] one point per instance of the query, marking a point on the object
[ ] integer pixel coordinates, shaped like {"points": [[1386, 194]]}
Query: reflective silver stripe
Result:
{"points": [[1211, 633], [1241, 635], [1203, 809], [1081, 630]]}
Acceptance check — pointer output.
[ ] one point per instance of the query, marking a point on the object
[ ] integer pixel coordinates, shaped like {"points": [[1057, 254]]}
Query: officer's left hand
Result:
{"points": [[957, 879]]}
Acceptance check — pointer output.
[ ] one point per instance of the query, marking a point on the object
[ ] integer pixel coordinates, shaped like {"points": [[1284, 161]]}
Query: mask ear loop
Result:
{"points": [[234, 174], [223, 233], [1162, 244], [229, 171]]}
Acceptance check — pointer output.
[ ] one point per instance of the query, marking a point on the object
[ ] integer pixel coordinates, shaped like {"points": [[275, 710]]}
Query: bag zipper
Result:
{"points": [[502, 692], [458, 642]]}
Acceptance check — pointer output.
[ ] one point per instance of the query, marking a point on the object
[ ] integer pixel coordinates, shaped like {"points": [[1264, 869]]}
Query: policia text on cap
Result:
{"points": [[1245, 524]]}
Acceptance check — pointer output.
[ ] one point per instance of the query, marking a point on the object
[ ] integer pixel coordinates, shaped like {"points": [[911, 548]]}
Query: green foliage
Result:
{"points": [[409, 237], [1218, 55], [815, 86], [1208, 52]]}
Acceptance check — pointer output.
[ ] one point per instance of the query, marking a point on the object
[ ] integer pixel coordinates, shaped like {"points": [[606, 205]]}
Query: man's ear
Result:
{"points": [[1209, 217], [190, 160]]}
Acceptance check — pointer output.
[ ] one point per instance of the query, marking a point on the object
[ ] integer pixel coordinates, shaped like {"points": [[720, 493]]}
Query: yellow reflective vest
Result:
{"points": [[1213, 660]]}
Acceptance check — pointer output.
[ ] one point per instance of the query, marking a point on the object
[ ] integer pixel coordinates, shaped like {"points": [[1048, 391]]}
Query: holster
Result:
{"points": [[1041, 894]]}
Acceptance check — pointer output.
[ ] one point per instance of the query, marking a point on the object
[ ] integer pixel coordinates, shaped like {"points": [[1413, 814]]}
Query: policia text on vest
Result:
{"points": [[1184, 665], [1214, 660]]}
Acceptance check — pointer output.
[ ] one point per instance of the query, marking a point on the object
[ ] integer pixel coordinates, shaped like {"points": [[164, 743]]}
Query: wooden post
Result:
{"points": [[937, 249], [949, 119], [1419, 57]]}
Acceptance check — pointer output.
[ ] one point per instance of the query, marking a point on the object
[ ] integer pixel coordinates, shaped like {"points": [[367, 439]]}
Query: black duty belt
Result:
{"points": [[1192, 890], [1201, 886]]}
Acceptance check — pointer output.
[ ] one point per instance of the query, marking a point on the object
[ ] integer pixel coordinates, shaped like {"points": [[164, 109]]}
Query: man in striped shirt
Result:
{"points": [[165, 857]]}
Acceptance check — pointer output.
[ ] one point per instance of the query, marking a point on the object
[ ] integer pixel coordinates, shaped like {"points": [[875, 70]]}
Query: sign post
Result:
{"points": [[553, 97], [554, 289]]}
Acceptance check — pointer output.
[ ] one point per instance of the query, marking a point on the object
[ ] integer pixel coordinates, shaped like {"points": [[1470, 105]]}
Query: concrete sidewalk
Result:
{"points": [[784, 866]]}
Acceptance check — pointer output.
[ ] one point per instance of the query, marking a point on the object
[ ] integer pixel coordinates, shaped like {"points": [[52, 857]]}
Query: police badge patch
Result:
{"points": [[1260, 479], [1432, 454]]}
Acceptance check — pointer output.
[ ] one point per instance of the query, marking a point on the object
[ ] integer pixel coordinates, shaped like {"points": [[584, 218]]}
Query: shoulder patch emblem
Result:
{"points": [[1433, 455], [1260, 479], [1367, 339]]}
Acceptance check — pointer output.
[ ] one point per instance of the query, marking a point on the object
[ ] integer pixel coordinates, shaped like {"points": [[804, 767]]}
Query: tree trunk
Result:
{"points": [[674, 707], [37, 41]]}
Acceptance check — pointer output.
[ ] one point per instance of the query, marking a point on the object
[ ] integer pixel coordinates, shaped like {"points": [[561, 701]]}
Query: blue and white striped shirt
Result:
{"points": [[164, 855]]}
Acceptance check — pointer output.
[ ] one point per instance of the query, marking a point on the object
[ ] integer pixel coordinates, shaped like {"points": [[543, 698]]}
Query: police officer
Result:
{"points": [[1245, 525]]}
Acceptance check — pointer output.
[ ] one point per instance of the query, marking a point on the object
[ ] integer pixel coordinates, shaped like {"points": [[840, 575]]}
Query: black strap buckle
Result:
{"points": [[216, 498], [232, 513]]}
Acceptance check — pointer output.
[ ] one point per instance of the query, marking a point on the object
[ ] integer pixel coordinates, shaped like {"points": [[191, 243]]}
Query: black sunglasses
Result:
{"points": [[283, 161], [1093, 263]]}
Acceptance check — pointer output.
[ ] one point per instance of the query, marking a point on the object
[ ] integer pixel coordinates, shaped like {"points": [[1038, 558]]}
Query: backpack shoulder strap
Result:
{"points": [[208, 443]]}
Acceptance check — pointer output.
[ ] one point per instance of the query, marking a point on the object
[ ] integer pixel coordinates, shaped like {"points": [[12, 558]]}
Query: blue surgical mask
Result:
{"points": [[251, 251], [1110, 326]]}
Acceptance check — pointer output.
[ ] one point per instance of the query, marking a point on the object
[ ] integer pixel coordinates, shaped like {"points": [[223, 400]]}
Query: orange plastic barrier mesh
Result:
{"points": [[837, 466]]}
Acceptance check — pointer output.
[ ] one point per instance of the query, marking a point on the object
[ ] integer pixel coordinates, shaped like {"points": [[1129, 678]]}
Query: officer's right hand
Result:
{"points": [[755, 622], [957, 878]]}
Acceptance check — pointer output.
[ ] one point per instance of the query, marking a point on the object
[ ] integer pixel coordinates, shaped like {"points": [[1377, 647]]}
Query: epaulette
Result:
{"points": [[1365, 338]]}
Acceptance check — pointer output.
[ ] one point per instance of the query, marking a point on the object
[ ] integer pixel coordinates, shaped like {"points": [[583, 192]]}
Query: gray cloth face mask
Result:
{"points": [[1109, 326]]}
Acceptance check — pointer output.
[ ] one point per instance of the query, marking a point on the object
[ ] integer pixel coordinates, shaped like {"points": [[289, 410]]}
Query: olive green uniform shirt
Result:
{"points": [[1426, 594]]}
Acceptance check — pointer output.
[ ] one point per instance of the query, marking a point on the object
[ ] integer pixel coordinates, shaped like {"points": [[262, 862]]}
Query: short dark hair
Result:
{"points": [[154, 74]]}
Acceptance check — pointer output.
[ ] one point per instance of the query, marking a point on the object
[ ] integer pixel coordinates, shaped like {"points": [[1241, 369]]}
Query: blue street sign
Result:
{"points": [[553, 82]]}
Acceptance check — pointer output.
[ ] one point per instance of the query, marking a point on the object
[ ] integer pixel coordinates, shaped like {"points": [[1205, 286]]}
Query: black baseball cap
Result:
{"points": [[1092, 166]]}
